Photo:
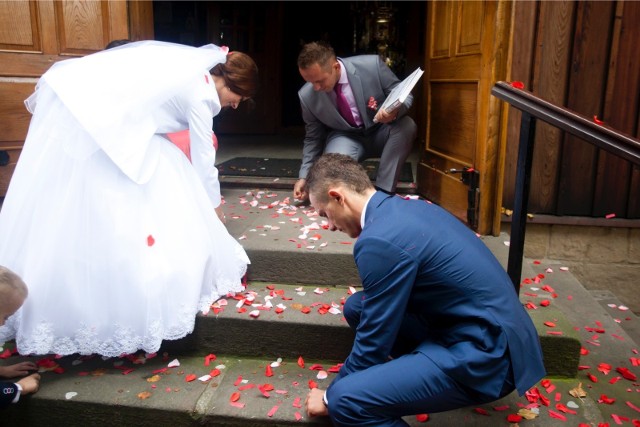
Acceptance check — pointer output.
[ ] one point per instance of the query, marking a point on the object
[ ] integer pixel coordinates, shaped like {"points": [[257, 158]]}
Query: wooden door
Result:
{"points": [[251, 30], [466, 53], [36, 34]]}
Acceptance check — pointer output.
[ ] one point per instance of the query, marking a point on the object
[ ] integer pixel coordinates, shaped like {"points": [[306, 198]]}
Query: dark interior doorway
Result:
{"points": [[350, 27]]}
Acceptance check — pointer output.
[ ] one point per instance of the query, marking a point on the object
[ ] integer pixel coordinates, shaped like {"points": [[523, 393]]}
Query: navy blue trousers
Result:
{"points": [[409, 384]]}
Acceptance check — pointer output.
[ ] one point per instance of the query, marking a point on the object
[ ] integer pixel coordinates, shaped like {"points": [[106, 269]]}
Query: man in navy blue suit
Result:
{"points": [[438, 324], [13, 292]]}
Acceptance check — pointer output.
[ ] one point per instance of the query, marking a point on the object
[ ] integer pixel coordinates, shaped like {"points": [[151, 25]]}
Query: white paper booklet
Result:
{"points": [[400, 92]]}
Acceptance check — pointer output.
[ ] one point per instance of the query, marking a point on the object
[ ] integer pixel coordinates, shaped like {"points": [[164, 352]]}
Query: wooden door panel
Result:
{"points": [[453, 138], [466, 54], [15, 117], [18, 30], [441, 185], [33, 36], [469, 32]]}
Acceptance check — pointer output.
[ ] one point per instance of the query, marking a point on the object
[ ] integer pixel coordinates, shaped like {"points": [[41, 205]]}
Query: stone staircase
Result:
{"points": [[251, 360]]}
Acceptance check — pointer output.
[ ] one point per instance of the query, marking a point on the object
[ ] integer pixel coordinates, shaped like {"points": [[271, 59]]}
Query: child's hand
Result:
{"points": [[18, 370]]}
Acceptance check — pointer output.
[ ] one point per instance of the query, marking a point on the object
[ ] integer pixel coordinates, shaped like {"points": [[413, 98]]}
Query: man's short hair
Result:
{"points": [[316, 53], [333, 168]]}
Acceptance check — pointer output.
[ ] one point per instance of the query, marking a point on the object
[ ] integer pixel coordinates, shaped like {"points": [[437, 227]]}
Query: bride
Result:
{"points": [[118, 235]]}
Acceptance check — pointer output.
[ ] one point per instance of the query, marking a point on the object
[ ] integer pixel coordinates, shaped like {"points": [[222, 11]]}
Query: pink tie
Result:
{"points": [[343, 105]]}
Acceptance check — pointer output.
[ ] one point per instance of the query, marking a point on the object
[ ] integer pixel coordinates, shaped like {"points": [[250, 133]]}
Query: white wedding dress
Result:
{"points": [[110, 226]]}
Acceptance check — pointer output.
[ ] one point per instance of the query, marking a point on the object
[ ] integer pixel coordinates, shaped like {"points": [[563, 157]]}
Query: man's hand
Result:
{"points": [[383, 117], [315, 403], [17, 370], [29, 384], [299, 192]]}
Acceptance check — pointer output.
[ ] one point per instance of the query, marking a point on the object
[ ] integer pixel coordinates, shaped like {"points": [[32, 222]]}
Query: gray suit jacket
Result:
{"points": [[368, 77]]}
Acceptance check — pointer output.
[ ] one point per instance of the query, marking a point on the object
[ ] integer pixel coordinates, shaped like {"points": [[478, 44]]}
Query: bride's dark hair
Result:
{"points": [[240, 74]]}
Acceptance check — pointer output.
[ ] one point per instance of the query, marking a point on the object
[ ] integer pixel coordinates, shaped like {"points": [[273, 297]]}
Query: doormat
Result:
{"points": [[289, 168]]}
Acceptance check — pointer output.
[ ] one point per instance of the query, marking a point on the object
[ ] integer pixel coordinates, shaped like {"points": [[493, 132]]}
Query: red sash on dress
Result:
{"points": [[182, 141]]}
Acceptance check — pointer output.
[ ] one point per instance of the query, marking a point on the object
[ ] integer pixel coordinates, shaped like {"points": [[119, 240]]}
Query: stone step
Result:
{"points": [[305, 327], [305, 269], [270, 392], [275, 320], [287, 243], [122, 391]]}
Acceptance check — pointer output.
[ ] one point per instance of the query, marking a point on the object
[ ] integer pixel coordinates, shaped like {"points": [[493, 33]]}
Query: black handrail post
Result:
{"points": [[521, 198]]}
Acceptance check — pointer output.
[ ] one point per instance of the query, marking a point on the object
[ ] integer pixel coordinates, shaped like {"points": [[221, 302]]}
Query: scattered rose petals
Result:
{"points": [[626, 373], [174, 363], [272, 411], [150, 240], [144, 395], [557, 415], [70, 395], [514, 418], [235, 396], [208, 359], [422, 418], [578, 392], [605, 399], [527, 414]]}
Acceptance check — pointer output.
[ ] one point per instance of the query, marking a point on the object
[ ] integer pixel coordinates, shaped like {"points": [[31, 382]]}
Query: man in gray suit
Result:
{"points": [[353, 125]]}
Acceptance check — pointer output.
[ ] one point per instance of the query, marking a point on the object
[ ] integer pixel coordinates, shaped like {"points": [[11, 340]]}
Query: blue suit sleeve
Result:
{"points": [[388, 274]]}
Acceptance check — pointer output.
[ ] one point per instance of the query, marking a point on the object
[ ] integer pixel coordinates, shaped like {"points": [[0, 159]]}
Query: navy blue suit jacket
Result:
{"points": [[416, 258], [8, 392]]}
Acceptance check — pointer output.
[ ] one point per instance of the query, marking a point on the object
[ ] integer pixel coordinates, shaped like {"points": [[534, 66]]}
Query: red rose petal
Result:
{"points": [[422, 418], [626, 373], [632, 406], [235, 396], [296, 403], [514, 418], [482, 411], [557, 415], [150, 240], [301, 362]]}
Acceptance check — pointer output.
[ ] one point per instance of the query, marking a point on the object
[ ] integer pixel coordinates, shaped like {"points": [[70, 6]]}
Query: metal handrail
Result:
{"points": [[534, 108]]}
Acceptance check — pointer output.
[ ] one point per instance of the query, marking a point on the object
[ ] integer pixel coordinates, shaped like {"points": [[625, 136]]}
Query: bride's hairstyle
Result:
{"points": [[240, 74]]}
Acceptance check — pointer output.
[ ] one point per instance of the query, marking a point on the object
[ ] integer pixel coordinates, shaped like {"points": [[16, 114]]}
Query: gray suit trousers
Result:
{"points": [[392, 143]]}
